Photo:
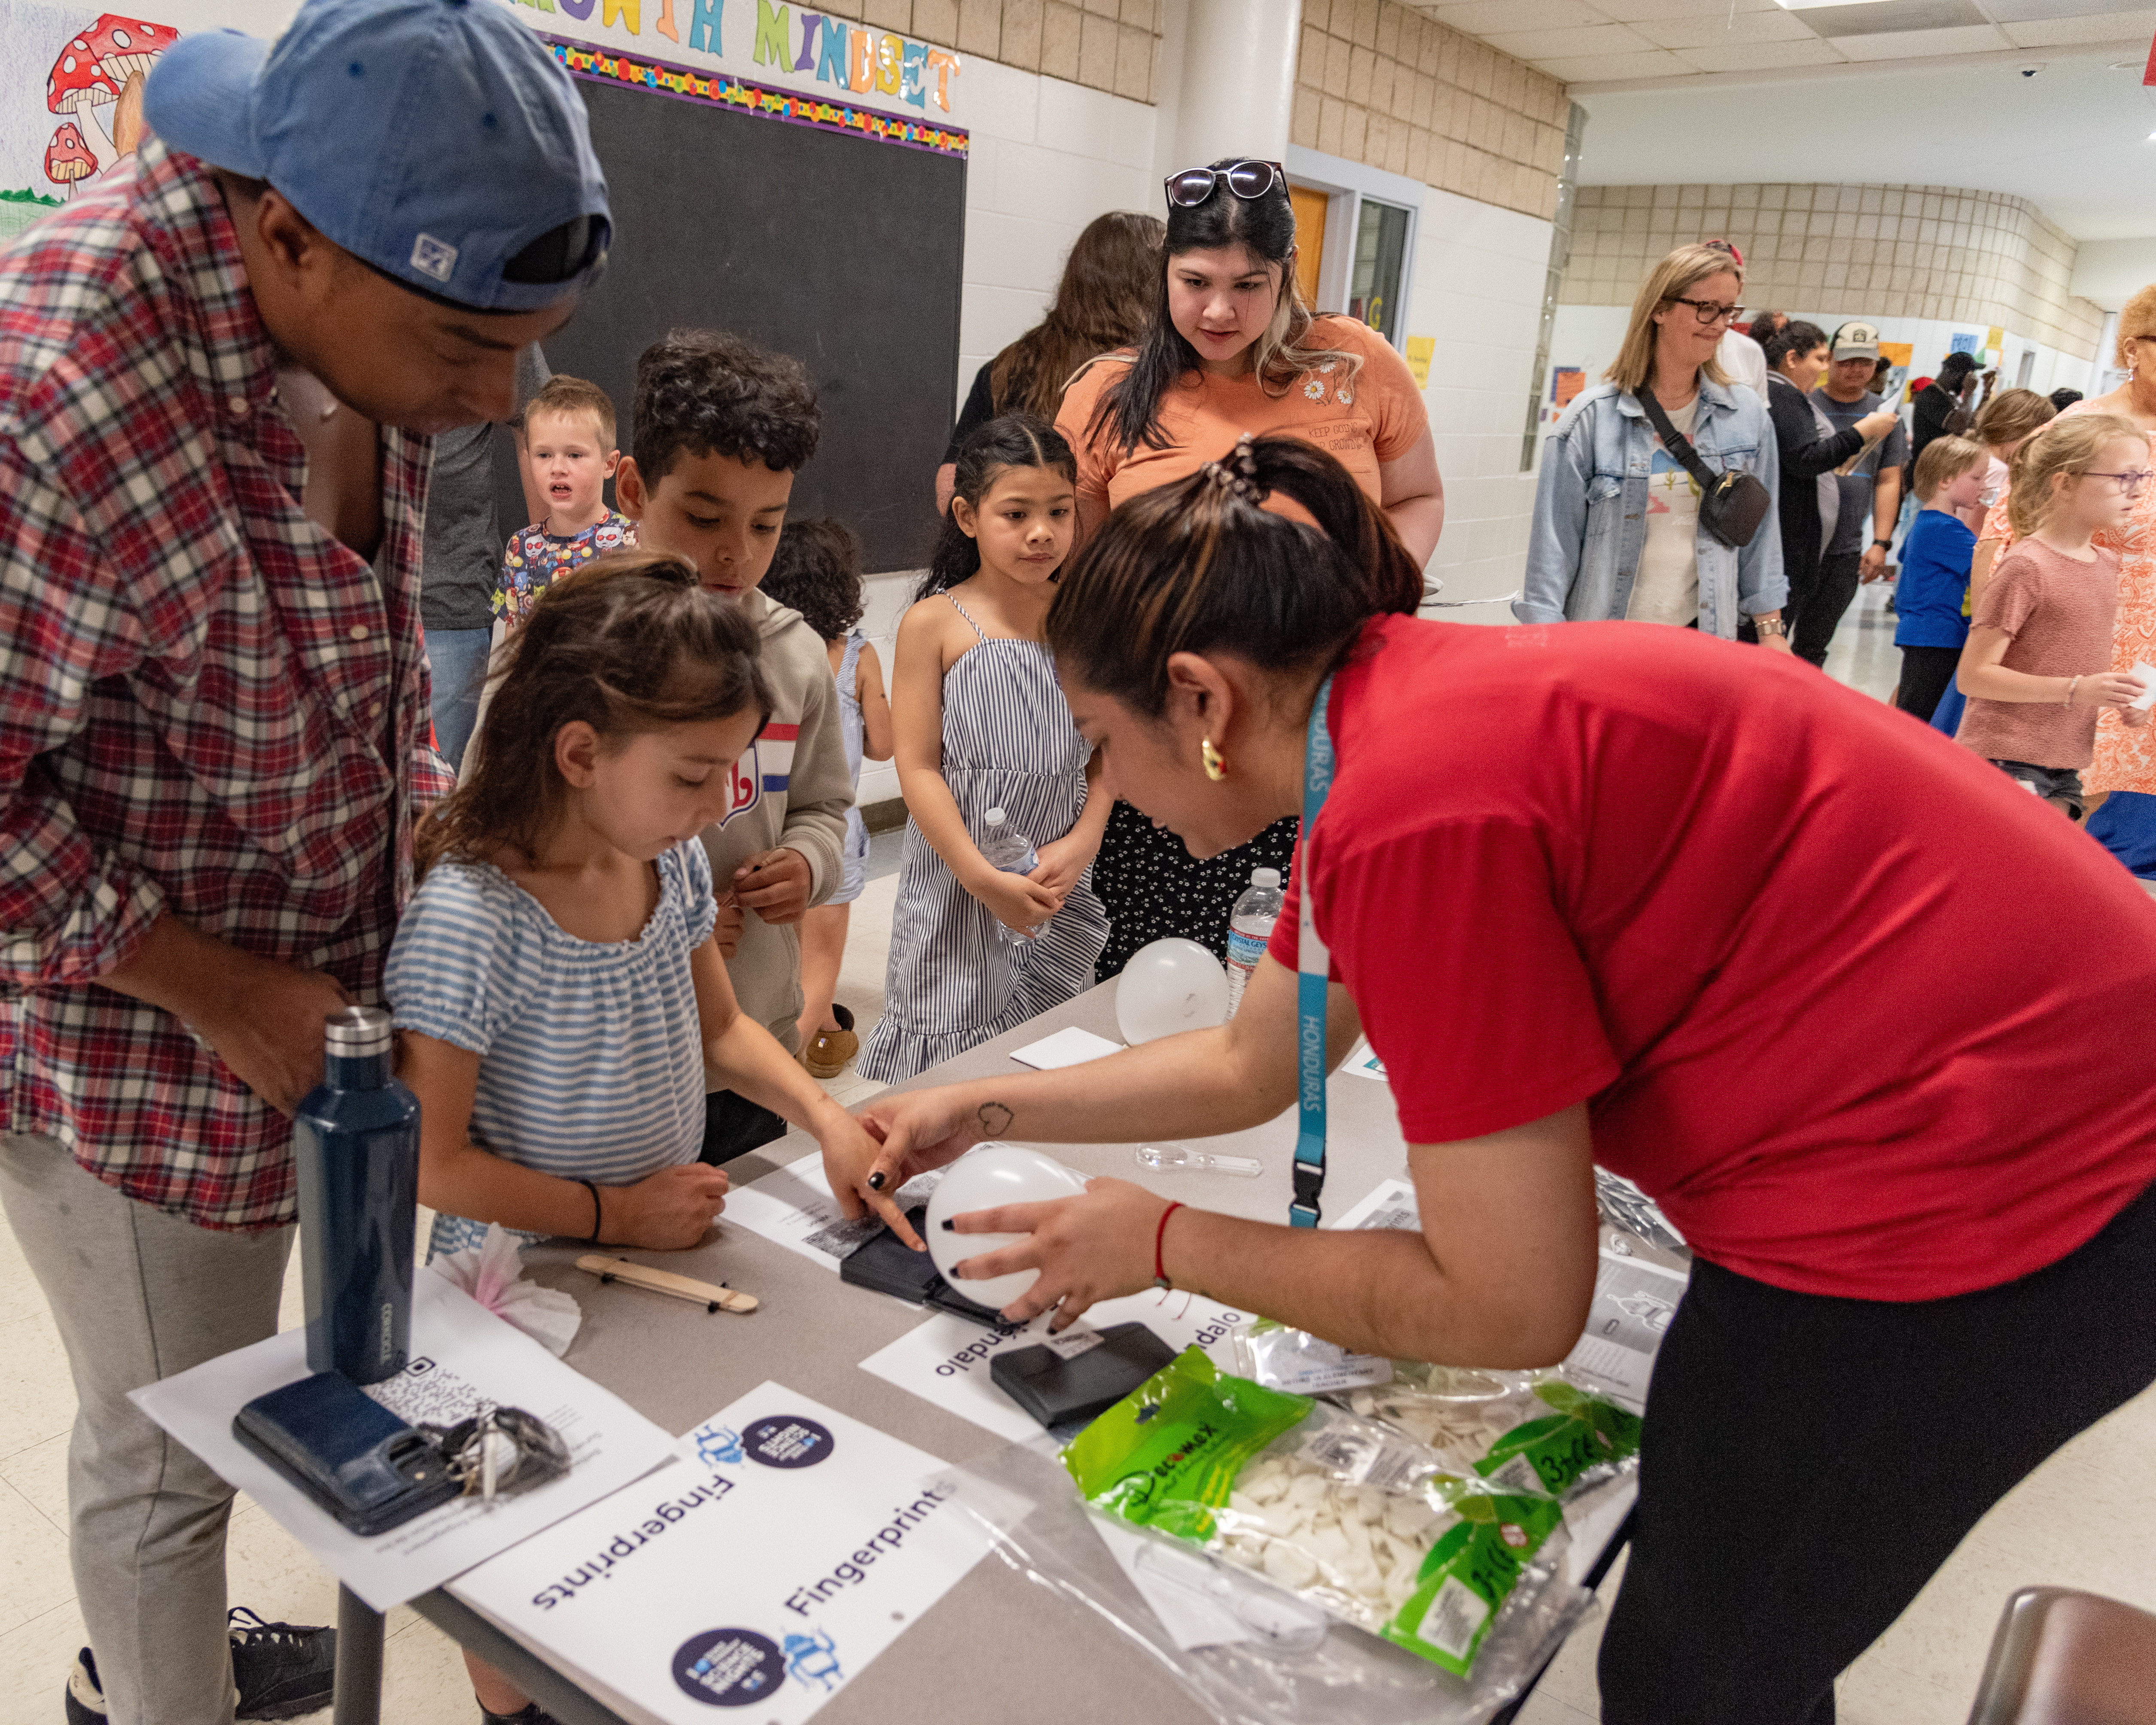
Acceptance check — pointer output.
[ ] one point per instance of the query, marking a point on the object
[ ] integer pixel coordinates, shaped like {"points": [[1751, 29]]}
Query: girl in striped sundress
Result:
{"points": [[980, 723], [554, 978]]}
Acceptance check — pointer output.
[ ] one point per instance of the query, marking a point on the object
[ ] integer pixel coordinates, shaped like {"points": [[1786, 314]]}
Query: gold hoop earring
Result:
{"points": [[1216, 764]]}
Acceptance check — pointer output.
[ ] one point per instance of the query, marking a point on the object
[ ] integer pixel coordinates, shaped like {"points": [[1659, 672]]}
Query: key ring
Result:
{"points": [[501, 1452]]}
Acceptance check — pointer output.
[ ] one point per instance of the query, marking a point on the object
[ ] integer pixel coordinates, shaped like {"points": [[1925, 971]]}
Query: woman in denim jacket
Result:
{"points": [[1598, 551]]}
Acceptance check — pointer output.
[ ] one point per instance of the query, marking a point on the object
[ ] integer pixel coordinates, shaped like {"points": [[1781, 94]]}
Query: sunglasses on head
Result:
{"points": [[1248, 178]]}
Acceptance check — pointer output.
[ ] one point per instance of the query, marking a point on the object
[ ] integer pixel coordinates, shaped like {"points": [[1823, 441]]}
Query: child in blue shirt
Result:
{"points": [[1931, 600]]}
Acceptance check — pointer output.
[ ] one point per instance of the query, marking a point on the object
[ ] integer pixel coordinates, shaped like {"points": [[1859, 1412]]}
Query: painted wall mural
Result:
{"points": [[70, 101]]}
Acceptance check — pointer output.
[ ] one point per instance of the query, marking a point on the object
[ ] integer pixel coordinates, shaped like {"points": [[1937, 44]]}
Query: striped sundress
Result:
{"points": [[951, 981], [591, 1053]]}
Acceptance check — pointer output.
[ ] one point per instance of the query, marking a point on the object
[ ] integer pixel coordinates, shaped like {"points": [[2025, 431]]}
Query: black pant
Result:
{"points": [[1925, 672], [1827, 596], [734, 1126], [1809, 1462]]}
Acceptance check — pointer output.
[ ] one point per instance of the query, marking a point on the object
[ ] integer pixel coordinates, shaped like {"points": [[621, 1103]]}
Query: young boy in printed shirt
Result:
{"points": [[569, 455], [721, 428]]}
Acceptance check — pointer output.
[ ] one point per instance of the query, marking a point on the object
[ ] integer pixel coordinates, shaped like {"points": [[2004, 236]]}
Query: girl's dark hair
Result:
{"points": [[1015, 440], [1101, 305], [816, 570], [629, 643], [1794, 336], [1201, 566], [1265, 227]]}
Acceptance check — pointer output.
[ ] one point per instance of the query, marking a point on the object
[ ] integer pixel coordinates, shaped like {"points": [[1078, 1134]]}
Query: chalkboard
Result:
{"points": [[843, 251]]}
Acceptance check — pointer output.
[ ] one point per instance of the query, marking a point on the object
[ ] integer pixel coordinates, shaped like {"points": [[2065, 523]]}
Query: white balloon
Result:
{"points": [[985, 1177], [1169, 986]]}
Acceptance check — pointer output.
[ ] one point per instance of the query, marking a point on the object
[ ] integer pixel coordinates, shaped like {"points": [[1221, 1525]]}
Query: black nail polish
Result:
{"points": [[950, 1226], [875, 1181]]}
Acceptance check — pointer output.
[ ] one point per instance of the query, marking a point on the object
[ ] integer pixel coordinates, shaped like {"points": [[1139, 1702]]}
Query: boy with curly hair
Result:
{"points": [[719, 429]]}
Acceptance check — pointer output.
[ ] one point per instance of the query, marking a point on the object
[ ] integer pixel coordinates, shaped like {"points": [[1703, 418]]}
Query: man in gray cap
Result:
{"points": [[218, 379], [1871, 493]]}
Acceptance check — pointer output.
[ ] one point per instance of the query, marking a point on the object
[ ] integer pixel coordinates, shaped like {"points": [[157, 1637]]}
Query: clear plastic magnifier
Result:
{"points": [[1173, 1158]]}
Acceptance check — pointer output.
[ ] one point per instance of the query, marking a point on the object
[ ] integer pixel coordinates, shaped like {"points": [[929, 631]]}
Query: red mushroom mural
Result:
{"points": [[96, 67], [67, 158]]}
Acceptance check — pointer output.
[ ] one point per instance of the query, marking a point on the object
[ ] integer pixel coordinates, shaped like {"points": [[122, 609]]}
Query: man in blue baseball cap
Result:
{"points": [[217, 377]]}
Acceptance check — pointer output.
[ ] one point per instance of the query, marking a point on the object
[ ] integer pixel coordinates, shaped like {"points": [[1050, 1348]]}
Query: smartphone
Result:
{"points": [[349, 1455]]}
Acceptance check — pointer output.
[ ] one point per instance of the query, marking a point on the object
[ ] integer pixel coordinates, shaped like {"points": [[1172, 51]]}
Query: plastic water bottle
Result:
{"points": [[357, 1140], [1008, 849], [1249, 928]]}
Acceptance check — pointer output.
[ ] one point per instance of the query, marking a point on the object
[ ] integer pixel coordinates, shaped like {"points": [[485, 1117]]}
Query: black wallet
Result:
{"points": [[347, 1452], [1056, 1383], [885, 1263]]}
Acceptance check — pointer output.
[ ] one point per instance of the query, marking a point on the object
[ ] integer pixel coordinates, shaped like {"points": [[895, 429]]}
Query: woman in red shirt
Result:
{"points": [[1633, 897]]}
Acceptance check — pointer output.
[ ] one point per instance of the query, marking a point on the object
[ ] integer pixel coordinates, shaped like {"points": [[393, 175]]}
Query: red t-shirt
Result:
{"points": [[1861, 1014]]}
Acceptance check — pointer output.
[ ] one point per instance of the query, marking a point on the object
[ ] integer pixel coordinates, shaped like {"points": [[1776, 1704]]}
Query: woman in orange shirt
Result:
{"points": [[1232, 349]]}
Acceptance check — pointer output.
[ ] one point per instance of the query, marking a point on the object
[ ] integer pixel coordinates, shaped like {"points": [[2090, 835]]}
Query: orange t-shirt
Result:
{"points": [[1377, 417]]}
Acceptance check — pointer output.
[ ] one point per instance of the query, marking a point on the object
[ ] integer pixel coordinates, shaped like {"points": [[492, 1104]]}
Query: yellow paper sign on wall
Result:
{"points": [[1994, 337], [1419, 350]]}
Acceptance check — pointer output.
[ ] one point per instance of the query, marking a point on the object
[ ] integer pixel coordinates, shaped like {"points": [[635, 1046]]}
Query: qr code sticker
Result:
{"points": [[1454, 1618], [842, 1238], [426, 1393]]}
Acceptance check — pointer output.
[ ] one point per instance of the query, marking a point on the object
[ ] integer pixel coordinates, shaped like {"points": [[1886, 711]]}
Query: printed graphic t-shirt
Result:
{"points": [[1666, 588], [537, 558], [1678, 880]]}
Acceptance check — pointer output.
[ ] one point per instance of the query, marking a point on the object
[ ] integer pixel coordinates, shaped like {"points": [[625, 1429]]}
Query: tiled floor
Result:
{"points": [[2086, 1518]]}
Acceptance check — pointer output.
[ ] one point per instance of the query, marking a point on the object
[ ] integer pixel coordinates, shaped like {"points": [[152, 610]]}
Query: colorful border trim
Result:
{"points": [[722, 90]]}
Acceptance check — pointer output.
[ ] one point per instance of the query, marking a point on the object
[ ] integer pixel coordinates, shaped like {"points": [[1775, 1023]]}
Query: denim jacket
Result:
{"points": [[1591, 511]]}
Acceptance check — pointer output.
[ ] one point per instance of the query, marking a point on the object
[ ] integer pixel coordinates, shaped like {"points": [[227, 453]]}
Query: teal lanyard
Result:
{"points": [[1313, 964]]}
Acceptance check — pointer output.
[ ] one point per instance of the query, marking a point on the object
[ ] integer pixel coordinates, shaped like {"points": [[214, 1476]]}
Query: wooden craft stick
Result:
{"points": [[666, 1281]]}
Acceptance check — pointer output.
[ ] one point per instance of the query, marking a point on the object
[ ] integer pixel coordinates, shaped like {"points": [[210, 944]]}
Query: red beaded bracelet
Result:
{"points": [[1160, 1234]]}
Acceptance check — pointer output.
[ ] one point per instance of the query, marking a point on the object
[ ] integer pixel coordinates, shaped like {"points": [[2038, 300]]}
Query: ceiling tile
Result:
{"points": [[2066, 32], [2020, 12], [1722, 30], [1755, 55], [1572, 44], [1632, 11], [1912, 44], [1480, 17], [1582, 68]]}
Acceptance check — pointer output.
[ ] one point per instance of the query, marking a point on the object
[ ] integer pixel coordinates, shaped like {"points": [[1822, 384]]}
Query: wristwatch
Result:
{"points": [[1884, 544]]}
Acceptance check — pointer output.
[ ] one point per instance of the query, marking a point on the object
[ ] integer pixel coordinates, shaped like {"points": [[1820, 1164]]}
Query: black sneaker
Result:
{"points": [[530, 1714], [86, 1695], [281, 1669]]}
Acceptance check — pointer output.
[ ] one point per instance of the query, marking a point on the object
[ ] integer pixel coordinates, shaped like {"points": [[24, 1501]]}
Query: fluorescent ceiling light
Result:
{"points": [[1806, 5]]}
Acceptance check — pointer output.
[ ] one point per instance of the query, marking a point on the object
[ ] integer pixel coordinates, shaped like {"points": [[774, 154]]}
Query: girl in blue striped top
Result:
{"points": [[555, 977]]}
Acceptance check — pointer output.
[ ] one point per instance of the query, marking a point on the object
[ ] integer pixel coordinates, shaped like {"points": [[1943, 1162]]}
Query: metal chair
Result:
{"points": [[2061, 1657]]}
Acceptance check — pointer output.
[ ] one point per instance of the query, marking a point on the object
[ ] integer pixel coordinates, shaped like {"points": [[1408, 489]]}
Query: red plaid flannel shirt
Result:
{"points": [[209, 708]]}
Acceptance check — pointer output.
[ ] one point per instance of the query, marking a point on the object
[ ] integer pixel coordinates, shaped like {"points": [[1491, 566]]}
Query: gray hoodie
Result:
{"points": [[792, 791]]}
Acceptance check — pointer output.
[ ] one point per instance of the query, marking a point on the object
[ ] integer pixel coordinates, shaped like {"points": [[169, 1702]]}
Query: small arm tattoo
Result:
{"points": [[995, 1119]]}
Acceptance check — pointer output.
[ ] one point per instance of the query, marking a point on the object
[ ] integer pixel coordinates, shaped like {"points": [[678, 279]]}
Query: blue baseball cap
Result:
{"points": [[437, 141]]}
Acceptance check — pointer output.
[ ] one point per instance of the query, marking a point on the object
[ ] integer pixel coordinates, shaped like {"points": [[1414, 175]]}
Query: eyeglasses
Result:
{"points": [[1246, 179], [1709, 311], [2129, 483]]}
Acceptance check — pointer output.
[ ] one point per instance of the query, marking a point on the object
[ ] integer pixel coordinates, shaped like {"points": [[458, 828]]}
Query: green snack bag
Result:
{"points": [[1471, 1571], [1166, 1456], [1549, 1454]]}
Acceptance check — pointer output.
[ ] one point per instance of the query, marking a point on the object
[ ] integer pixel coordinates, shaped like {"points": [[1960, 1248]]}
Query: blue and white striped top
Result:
{"points": [[591, 1057]]}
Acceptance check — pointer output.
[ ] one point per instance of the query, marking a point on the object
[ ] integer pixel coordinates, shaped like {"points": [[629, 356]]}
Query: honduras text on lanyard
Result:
{"points": [[1313, 965]]}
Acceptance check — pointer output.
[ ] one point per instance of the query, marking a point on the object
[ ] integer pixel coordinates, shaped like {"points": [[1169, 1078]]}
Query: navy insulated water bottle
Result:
{"points": [[357, 1140]]}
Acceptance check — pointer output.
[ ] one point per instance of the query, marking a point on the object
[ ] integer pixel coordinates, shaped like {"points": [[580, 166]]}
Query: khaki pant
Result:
{"points": [[138, 1295]]}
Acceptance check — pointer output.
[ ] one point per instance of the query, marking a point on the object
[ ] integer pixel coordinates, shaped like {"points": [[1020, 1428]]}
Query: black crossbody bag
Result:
{"points": [[1730, 505]]}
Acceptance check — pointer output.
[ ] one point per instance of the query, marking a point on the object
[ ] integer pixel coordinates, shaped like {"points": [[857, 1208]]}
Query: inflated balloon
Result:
{"points": [[982, 1178], [1169, 986]]}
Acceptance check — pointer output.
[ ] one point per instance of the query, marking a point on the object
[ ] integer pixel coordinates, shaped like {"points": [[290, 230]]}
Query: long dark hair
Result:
{"points": [[1202, 566], [1015, 440], [629, 642], [1265, 227], [1101, 303]]}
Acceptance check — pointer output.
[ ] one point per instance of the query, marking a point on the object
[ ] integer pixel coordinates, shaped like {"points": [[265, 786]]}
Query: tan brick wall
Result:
{"points": [[1891, 251], [1105, 45], [1379, 83]]}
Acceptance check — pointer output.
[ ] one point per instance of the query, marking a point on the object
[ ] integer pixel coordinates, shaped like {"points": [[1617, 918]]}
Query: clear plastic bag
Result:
{"points": [[1288, 1664]]}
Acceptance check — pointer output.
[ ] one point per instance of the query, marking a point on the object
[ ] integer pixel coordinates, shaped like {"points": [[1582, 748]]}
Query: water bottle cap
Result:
{"points": [[1265, 877], [996, 817], [358, 1031]]}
